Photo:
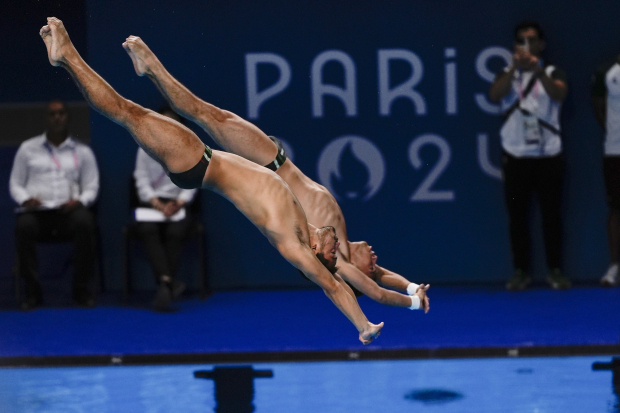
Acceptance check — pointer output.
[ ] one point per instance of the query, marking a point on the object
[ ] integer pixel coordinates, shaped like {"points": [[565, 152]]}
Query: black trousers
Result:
{"points": [[49, 226], [523, 177], [164, 242]]}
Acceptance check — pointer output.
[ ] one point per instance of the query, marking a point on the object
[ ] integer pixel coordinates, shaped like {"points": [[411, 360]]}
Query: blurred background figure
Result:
{"points": [[606, 102], [54, 179], [531, 93], [163, 234]]}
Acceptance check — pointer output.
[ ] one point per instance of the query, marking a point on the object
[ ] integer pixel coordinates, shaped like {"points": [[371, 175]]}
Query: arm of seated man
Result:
{"points": [[71, 205], [173, 207], [31, 203]]}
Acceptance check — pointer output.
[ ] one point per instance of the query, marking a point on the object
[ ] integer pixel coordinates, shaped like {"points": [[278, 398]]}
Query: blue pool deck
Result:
{"points": [[269, 325]]}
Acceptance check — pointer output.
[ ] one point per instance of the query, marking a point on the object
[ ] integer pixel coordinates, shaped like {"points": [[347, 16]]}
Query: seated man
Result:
{"points": [[240, 137], [54, 178], [163, 240], [258, 193]]}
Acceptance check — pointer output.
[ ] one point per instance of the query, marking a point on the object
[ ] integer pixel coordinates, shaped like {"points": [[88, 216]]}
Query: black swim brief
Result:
{"points": [[280, 157], [193, 178]]}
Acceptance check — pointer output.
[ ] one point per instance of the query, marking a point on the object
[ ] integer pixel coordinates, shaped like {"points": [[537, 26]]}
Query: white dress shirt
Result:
{"points": [[54, 175], [152, 181]]}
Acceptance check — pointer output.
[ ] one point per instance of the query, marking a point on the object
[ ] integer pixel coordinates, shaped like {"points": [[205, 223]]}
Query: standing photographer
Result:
{"points": [[531, 94]]}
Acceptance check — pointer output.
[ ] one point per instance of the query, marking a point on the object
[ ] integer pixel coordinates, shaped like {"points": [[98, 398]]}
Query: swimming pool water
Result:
{"points": [[536, 385]]}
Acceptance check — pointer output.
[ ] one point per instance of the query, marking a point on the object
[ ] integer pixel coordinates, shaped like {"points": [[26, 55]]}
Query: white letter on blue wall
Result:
{"points": [[405, 89], [347, 94], [256, 98], [481, 67], [484, 159], [451, 89]]}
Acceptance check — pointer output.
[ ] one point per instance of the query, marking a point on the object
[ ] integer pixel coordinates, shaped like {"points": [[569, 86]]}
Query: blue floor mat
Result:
{"points": [[305, 320]]}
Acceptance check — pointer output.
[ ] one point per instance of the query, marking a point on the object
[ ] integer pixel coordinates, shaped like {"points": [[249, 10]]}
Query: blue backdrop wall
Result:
{"points": [[382, 102]]}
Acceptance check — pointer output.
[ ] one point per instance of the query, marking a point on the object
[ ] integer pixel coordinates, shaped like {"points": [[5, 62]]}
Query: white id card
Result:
{"points": [[533, 133]]}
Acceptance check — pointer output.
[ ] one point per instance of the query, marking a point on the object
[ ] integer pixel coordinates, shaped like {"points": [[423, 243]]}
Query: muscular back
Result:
{"points": [[261, 195], [318, 203]]}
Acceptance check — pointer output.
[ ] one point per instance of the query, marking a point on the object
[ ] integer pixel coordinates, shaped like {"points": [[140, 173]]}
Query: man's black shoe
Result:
{"points": [[163, 296], [176, 287], [519, 281]]}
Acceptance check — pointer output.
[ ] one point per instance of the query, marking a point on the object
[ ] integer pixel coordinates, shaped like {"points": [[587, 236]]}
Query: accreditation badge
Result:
{"points": [[532, 129]]}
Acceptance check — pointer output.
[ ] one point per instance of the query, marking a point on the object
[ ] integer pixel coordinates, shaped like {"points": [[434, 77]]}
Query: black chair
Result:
{"points": [[130, 234], [54, 239]]}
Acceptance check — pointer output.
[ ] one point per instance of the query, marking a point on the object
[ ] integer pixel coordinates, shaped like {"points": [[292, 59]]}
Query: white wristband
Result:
{"points": [[412, 288], [415, 302]]}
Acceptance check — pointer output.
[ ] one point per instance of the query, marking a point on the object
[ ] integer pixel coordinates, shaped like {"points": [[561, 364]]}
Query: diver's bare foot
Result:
{"points": [[140, 54], [370, 333], [56, 40]]}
